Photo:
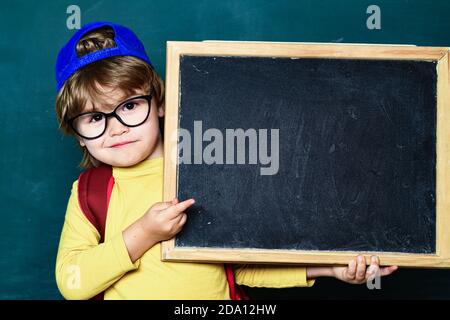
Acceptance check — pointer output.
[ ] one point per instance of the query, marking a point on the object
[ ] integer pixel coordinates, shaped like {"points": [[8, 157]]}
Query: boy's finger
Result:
{"points": [[361, 269], [351, 270], [162, 205], [182, 219], [176, 219], [374, 261], [385, 271], [166, 204], [178, 208], [373, 269]]}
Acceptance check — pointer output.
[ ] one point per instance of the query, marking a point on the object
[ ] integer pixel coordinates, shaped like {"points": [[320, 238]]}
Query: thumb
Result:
{"points": [[174, 201]]}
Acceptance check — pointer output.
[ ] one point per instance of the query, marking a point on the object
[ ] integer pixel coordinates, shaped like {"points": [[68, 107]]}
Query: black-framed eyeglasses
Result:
{"points": [[132, 113]]}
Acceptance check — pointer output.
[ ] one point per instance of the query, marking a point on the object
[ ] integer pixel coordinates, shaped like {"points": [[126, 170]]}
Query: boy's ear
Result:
{"points": [[81, 142], [161, 111]]}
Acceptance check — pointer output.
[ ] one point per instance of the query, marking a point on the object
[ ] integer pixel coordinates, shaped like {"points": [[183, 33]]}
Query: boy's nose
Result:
{"points": [[115, 127]]}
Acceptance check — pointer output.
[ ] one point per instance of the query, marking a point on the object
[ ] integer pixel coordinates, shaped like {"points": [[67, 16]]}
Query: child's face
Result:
{"points": [[145, 139]]}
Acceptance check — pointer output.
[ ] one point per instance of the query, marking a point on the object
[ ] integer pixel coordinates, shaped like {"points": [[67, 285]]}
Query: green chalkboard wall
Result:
{"points": [[38, 165]]}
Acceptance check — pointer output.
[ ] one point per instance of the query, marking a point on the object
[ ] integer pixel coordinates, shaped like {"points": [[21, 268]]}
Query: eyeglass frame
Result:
{"points": [[147, 97]]}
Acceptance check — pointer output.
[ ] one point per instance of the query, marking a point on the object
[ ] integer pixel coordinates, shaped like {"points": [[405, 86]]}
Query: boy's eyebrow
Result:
{"points": [[107, 107]]}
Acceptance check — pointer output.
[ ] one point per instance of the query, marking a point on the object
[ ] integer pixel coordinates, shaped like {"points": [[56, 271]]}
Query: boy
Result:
{"points": [[111, 100]]}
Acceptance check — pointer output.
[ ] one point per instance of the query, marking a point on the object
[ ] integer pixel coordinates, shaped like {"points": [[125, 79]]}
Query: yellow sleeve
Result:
{"points": [[84, 267], [272, 276]]}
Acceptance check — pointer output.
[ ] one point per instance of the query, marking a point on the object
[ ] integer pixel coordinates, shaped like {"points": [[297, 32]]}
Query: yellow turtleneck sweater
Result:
{"points": [[84, 267]]}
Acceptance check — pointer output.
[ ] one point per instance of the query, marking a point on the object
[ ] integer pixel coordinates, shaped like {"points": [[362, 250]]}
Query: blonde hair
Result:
{"points": [[126, 73]]}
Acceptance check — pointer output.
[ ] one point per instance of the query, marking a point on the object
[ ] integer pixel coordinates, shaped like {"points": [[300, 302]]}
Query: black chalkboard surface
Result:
{"points": [[352, 149], [356, 154]]}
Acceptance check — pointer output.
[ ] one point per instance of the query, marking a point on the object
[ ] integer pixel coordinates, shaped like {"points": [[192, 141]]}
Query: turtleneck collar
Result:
{"points": [[146, 167]]}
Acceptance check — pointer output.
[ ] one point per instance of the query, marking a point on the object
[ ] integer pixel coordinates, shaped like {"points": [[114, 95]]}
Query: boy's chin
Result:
{"points": [[122, 162]]}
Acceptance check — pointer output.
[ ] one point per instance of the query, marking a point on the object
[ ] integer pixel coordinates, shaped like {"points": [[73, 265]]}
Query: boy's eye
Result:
{"points": [[95, 117], [129, 105]]}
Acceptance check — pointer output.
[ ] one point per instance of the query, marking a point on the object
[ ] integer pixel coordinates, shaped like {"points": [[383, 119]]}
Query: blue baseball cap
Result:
{"points": [[127, 44]]}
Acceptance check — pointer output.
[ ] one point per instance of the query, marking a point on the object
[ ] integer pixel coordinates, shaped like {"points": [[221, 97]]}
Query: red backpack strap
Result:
{"points": [[94, 191], [236, 292]]}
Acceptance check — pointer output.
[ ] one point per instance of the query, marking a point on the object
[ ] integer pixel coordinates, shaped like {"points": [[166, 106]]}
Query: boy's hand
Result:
{"points": [[357, 273], [161, 222], [165, 219]]}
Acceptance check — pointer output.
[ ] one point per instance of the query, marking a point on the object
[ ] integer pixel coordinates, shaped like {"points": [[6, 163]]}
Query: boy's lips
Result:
{"points": [[121, 144]]}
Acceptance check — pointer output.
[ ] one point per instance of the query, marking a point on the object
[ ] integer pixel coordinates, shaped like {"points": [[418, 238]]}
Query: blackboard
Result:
{"points": [[356, 150], [353, 170]]}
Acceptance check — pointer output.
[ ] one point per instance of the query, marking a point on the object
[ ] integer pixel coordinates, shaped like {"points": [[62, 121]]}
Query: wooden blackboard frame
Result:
{"points": [[441, 259]]}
